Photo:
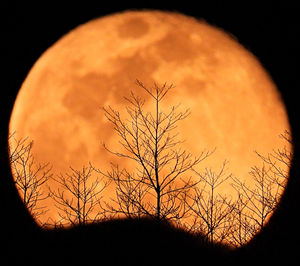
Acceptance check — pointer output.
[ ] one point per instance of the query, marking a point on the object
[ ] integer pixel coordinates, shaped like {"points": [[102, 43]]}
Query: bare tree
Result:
{"points": [[242, 228], [17, 147], [279, 162], [255, 204], [212, 211], [257, 201], [78, 197], [261, 196], [131, 195], [29, 176], [161, 182]]}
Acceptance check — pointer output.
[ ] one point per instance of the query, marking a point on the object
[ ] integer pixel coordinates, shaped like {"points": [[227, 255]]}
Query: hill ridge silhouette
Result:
{"points": [[121, 241]]}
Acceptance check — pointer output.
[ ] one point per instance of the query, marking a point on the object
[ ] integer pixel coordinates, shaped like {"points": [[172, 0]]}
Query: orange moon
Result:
{"points": [[235, 106]]}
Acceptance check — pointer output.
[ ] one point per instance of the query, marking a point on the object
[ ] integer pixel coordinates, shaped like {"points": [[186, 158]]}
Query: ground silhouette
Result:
{"points": [[120, 242], [137, 242]]}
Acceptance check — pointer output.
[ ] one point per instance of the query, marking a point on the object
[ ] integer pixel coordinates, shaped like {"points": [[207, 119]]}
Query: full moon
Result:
{"points": [[235, 106]]}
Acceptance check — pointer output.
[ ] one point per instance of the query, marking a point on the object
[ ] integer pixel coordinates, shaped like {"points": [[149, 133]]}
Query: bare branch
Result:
{"points": [[79, 195], [29, 176], [159, 186]]}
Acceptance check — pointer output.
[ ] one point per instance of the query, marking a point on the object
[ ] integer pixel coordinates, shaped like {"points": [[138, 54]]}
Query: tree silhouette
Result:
{"points": [[279, 162], [242, 229], [261, 198], [258, 200], [160, 184], [17, 147], [212, 211], [164, 184], [255, 204], [29, 176], [78, 197]]}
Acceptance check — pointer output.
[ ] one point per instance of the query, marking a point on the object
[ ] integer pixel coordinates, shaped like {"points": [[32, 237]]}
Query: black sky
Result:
{"points": [[269, 30]]}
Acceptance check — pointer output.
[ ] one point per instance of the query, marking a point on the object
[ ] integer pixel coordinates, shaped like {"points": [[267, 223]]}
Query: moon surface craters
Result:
{"points": [[175, 47], [233, 102], [134, 27]]}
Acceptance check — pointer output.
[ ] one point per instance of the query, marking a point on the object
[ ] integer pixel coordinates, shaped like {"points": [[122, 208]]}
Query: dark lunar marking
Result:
{"points": [[130, 69], [79, 154], [45, 134], [177, 46], [86, 96], [133, 28], [194, 86], [89, 93]]}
